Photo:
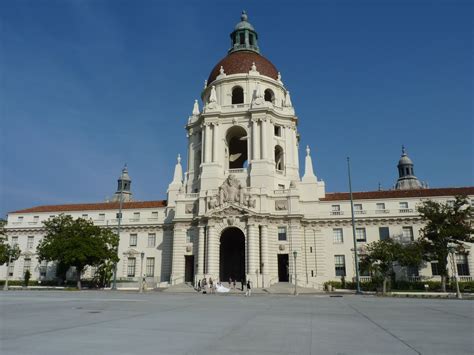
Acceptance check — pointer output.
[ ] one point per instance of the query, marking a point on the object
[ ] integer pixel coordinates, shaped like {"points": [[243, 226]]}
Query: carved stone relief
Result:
{"points": [[281, 205]]}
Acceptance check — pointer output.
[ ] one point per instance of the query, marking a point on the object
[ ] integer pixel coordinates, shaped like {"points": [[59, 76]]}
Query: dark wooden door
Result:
{"points": [[283, 267], [189, 268]]}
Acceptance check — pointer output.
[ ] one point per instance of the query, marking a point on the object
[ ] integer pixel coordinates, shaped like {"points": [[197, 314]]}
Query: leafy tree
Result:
{"points": [[446, 224], [77, 243], [7, 251], [381, 256], [104, 274]]}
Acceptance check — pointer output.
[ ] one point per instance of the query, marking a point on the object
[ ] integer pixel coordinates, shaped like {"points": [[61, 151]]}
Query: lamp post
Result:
{"points": [[356, 257], [119, 220], [5, 287], [142, 255], [452, 251], [296, 277]]}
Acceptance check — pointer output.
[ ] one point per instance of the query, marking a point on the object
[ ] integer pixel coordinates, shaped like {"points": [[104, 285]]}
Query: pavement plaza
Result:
{"points": [[106, 322]]}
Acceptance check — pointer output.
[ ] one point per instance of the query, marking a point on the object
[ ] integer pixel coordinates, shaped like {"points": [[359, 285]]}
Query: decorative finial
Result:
{"points": [[254, 67], [179, 158], [196, 108], [221, 70], [404, 152], [287, 100], [125, 168], [244, 16], [307, 150], [279, 77], [205, 84], [258, 91]]}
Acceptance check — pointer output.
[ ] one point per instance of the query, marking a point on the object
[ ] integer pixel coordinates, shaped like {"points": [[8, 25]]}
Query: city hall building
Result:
{"points": [[241, 209]]}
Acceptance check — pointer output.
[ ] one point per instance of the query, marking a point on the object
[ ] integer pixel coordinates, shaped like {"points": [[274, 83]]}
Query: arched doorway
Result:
{"points": [[232, 255]]}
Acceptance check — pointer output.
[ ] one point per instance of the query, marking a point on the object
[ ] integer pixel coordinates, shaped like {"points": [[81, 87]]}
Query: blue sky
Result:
{"points": [[88, 85]]}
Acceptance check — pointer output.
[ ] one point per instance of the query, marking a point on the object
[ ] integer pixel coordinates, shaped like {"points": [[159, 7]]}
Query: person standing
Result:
{"points": [[211, 285], [204, 285], [242, 285], [230, 282], [249, 289], [199, 286], [233, 284]]}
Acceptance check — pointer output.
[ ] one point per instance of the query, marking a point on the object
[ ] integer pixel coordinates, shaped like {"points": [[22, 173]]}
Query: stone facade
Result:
{"points": [[240, 209]]}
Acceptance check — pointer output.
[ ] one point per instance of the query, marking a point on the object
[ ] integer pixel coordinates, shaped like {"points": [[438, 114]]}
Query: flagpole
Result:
{"points": [[356, 257]]}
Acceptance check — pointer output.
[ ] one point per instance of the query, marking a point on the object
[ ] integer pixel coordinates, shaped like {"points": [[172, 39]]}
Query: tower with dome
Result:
{"points": [[237, 207]]}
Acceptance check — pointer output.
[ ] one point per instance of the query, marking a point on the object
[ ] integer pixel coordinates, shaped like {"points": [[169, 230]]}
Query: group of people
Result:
{"points": [[209, 286]]}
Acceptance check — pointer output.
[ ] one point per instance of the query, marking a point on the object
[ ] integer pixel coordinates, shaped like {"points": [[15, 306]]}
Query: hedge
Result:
{"points": [[464, 286]]}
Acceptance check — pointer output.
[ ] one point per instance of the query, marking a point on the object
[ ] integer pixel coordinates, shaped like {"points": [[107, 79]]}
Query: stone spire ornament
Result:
{"points": [[308, 168], [221, 70], [196, 108], [279, 78], [178, 172], [287, 102], [254, 67], [213, 96], [205, 83]]}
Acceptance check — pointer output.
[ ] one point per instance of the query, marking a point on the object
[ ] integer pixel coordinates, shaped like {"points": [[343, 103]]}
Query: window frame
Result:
{"points": [[357, 235], [282, 233]]}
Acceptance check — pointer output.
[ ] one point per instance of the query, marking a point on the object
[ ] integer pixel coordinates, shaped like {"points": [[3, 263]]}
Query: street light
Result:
{"points": [[296, 277], [452, 251], [142, 255]]}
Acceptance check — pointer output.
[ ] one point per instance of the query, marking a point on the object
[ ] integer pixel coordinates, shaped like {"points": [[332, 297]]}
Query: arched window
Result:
{"points": [[237, 95], [269, 96], [236, 138], [279, 163]]}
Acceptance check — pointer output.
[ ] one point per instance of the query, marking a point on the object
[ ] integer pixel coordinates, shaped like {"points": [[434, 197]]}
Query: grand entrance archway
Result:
{"points": [[232, 255]]}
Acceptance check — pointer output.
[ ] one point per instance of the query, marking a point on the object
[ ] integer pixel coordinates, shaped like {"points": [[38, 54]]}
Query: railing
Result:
{"points": [[363, 279], [281, 172], [337, 213], [405, 210], [134, 219], [192, 195], [153, 219], [237, 171], [32, 223], [360, 212], [382, 210], [415, 278], [465, 278], [281, 191], [17, 223]]}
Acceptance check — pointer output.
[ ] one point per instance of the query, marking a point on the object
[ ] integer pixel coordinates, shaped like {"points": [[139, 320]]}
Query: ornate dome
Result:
{"points": [[241, 62]]}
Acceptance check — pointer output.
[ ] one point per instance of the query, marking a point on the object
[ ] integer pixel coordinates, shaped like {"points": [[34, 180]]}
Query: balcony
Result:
{"points": [[405, 210], [237, 171], [382, 211], [337, 213], [360, 212], [281, 191], [134, 219]]}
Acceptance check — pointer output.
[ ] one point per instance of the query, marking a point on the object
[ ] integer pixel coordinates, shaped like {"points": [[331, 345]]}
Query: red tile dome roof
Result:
{"points": [[241, 62]]}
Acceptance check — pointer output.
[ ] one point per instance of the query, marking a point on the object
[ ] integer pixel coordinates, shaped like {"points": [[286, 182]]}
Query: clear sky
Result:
{"points": [[89, 85]]}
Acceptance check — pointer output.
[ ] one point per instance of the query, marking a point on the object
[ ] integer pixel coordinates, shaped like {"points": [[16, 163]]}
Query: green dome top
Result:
{"points": [[244, 37]]}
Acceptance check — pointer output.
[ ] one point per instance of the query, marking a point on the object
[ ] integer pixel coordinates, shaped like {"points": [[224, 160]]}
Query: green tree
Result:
{"points": [[446, 224], [381, 256], [7, 251], [78, 243], [27, 277]]}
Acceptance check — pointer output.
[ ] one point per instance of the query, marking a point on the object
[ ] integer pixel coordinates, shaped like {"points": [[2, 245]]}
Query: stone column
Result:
{"points": [[200, 267], [177, 263], [264, 132], [252, 251], [207, 143], [254, 140], [295, 147], [265, 255], [215, 148], [212, 253]]}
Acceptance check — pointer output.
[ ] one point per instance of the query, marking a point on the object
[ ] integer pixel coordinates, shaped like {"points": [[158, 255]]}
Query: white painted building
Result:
{"points": [[240, 209]]}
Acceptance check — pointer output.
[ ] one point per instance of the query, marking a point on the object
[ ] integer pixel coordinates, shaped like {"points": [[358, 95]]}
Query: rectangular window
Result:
{"points": [[403, 205], [36, 219], [412, 271], [338, 237], [380, 207], [150, 267], [151, 240], [131, 267], [312, 273], [340, 265], [136, 216], [462, 265], [101, 217], [281, 186], [407, 233], [281, 233], [189, 236], [384, 233], [154, 215], [30, 242], [26, 265], [85, 216], [336, 210], [434, 268], [361, 235], [133, 240], [20, 218], [14, 241], [357, 206], [42, 268], [310, 249], [278, 131]]}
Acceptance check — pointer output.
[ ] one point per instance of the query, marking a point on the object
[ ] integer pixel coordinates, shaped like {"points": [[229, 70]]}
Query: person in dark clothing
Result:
{"points": [[242, 284], [249, 289]]}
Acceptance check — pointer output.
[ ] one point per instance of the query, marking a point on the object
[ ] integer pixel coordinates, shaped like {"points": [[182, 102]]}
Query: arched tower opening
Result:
{"points": [[279, 158], [237, 95], [269, 96], [237, 147]]}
